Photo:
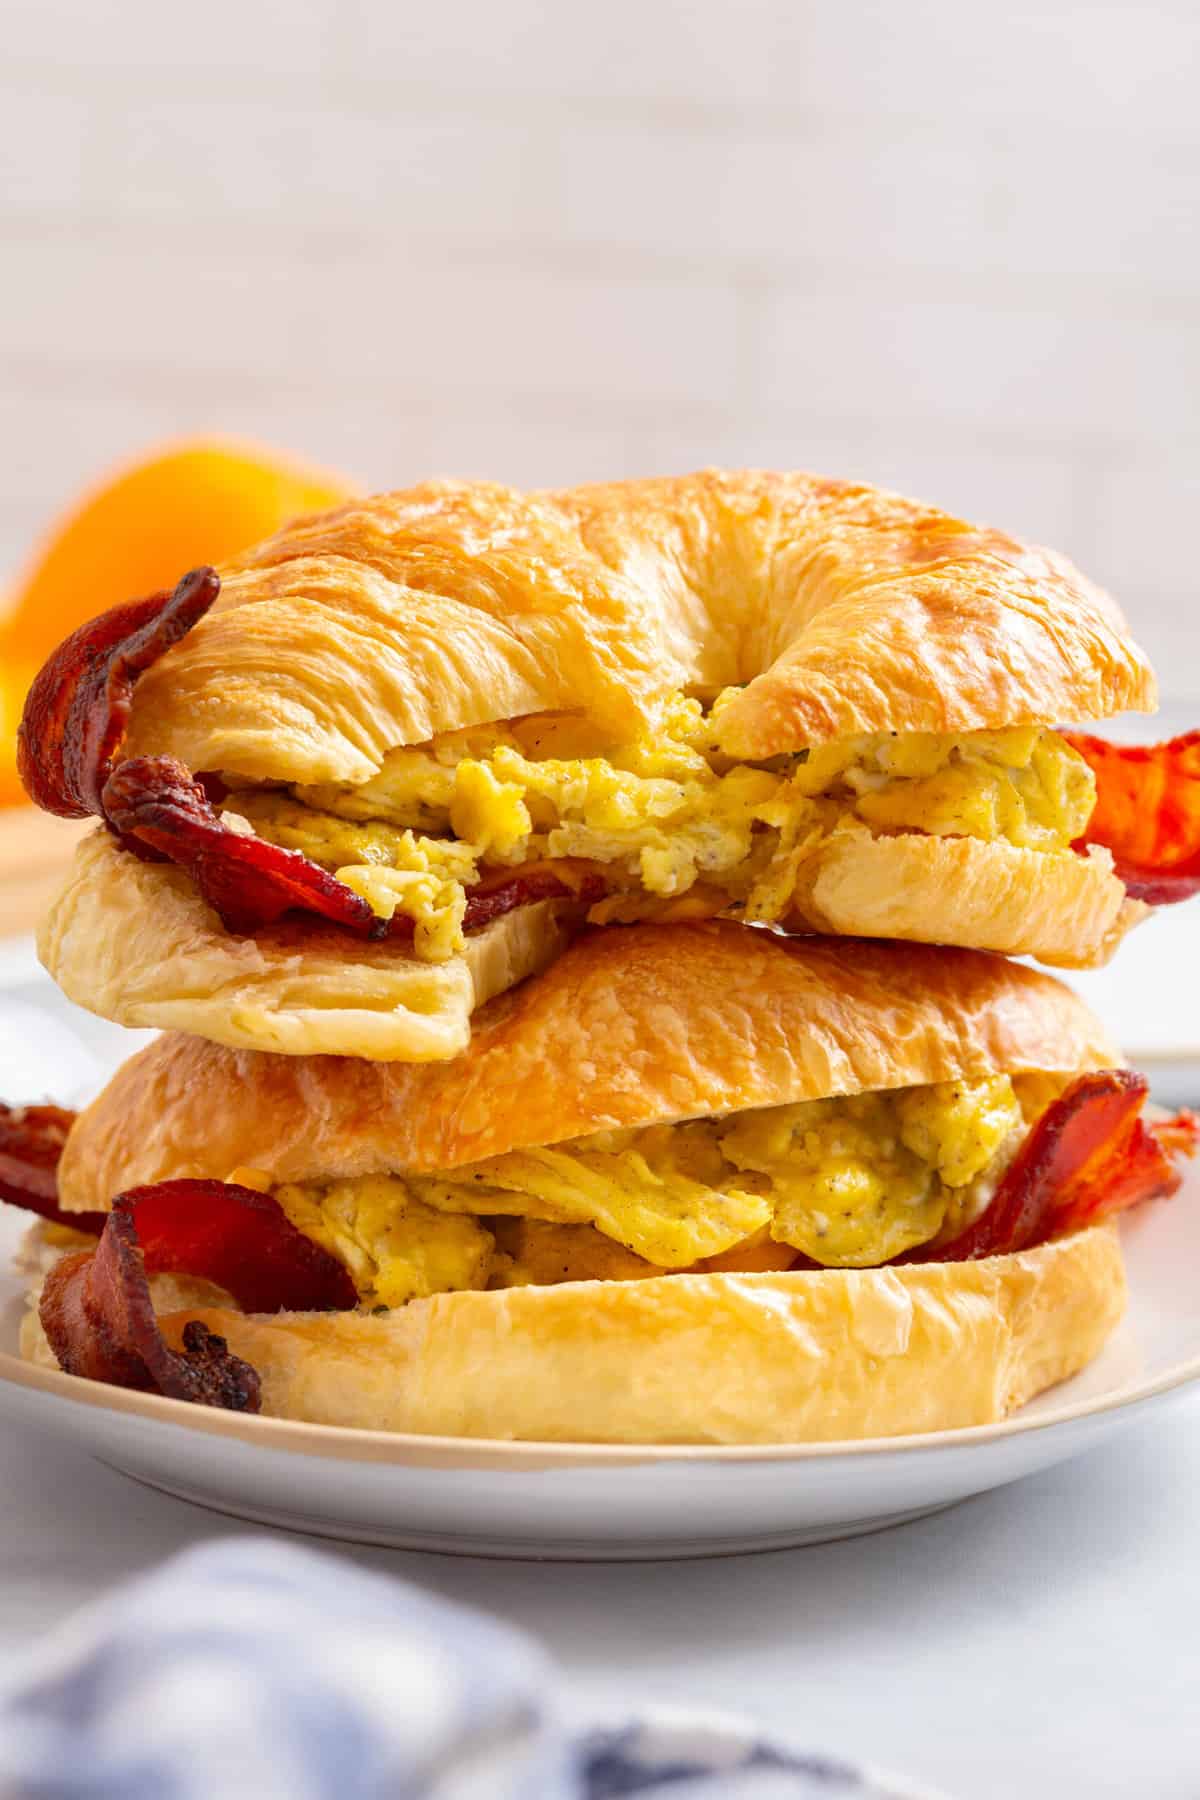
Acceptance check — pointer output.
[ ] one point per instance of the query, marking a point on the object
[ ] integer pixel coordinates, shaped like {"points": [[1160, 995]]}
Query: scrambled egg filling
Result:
{"points": [[668, 814], [850, 1183]]}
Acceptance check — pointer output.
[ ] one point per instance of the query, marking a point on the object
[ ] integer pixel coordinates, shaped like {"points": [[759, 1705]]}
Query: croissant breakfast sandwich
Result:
{"points": [[697, 1184], [382, 766]]}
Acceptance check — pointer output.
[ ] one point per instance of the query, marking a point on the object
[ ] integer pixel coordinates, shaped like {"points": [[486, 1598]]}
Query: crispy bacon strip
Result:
{"points": [[1147, 813], [238, 1238], [96, 1308], [71, 731], [31, 1141], [158, 810], [77, 710], [1089, 1155], [99, 1320], [74, 722], [503, 891]]}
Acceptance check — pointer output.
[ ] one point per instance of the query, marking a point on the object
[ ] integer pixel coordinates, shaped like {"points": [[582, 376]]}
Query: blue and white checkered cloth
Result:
{"points": [[255, 1668]]}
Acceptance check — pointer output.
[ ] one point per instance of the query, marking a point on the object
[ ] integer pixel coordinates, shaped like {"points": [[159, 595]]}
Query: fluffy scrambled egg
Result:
{"points": [[667, 814], [848, 1182]]}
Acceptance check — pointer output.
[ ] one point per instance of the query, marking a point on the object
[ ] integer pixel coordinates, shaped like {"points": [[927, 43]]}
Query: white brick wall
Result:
{"points": [[945, 246]]}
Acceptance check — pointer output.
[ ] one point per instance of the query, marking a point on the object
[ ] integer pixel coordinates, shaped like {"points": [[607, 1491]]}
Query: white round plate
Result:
{"points": [[588, 1501]]}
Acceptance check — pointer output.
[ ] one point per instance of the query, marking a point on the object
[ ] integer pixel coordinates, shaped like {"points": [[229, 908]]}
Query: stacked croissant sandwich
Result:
{"points": [[580, 926]]}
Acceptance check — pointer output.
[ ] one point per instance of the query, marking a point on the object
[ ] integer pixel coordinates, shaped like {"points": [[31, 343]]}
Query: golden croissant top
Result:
{"points": [[379, 768], [833, 609]]}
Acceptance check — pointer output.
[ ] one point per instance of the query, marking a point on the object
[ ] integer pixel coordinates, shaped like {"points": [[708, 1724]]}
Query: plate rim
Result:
{"points": [[352, 1444]]}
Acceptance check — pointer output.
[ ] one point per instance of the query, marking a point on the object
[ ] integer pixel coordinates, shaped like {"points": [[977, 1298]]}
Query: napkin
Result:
{"points": [[252, 1667]]}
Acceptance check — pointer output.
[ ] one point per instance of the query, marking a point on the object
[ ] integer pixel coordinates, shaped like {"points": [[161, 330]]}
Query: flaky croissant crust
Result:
{"points": [[802, 1357], [633, 1025], [700, 1359], [839, 608]]}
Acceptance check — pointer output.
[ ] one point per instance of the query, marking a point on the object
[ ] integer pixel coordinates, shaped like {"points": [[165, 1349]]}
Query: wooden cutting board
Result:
{"points": [[34, 852]]}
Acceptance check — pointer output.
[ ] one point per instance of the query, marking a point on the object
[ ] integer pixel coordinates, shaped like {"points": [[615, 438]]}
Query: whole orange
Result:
{"points": [[196, 501]]}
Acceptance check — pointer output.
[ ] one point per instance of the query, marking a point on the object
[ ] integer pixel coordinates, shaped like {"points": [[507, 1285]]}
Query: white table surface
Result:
{"points": [[1039, 1641]]}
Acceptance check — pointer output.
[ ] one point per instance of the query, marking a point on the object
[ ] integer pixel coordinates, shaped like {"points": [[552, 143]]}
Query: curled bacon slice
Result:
{"points": [[31, 1141], [1147, 813], [158, 810], [1089, 1155], [99, 1320], [77, 710], [96, 1308], [73, 725], [238, 1238], [74, 722]]}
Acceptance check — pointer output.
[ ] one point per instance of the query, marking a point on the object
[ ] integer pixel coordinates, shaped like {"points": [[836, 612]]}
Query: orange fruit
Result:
{"points": [[11, 791], [144, 527], [197, 501]]}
